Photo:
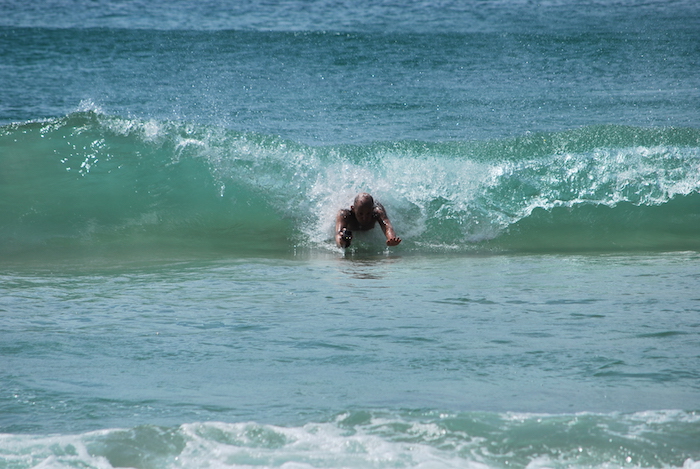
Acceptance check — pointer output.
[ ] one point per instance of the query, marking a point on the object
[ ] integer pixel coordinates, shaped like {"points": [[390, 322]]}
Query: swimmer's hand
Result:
{"points": [[344, 238], [393, 241]]}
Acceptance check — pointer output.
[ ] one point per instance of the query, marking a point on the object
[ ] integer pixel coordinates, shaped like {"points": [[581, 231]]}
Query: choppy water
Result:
{"points": [[170, 295], [355, 362]]}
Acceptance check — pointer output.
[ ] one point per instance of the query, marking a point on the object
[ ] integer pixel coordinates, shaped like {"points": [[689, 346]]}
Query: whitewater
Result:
{"points": [[171, 295]]}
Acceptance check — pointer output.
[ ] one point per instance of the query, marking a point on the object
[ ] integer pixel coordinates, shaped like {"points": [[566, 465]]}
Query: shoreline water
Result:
{"points": [[451, 361]]}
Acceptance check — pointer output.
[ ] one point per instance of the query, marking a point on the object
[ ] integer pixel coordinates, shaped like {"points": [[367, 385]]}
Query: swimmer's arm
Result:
{"points": [[341, 223], [386, 226]]}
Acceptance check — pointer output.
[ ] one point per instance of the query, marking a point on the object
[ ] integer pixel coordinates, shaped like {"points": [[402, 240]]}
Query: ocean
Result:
{"points": [[171, 295]]}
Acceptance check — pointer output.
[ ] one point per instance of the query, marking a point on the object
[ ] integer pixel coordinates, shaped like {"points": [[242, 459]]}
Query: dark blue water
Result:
{"points": [[342, 72]]}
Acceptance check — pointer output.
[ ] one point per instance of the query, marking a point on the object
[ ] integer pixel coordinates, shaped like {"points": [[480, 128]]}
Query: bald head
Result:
{"points": [[364, 200]]}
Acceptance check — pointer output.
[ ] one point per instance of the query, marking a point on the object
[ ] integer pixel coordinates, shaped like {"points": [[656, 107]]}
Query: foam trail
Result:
{"points": [[380, 440]]}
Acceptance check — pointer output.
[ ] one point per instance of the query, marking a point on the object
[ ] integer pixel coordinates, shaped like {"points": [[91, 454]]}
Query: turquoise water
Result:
{"points": [[90, 182], [170, 294], [359, 361]]}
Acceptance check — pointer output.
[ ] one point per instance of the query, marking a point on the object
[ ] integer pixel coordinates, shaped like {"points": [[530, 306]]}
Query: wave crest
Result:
{"points": [[89, 180]]}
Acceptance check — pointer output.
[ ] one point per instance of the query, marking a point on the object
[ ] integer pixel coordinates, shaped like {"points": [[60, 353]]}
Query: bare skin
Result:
{"points": [[362, 216]]}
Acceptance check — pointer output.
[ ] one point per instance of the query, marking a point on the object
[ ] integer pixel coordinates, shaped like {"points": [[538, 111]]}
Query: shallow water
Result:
{"points": [[356, 350]]}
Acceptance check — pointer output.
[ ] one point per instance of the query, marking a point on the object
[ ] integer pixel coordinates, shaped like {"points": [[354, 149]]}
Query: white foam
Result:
{"points": [[315, 445], [383, 441], [50, 452]]}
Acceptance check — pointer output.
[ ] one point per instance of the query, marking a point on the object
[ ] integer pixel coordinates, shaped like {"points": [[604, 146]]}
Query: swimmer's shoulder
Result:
{"points": [[378, 210]]}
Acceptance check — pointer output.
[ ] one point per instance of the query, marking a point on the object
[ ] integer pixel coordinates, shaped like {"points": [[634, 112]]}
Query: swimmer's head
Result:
{"points": [[363, 208]]}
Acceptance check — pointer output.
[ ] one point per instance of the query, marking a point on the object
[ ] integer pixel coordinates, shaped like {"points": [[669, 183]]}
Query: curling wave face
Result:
{"points": [[90, 182]]}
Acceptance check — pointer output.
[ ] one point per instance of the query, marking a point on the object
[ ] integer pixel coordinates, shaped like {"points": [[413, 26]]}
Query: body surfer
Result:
{"points": [[362, 216]]}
